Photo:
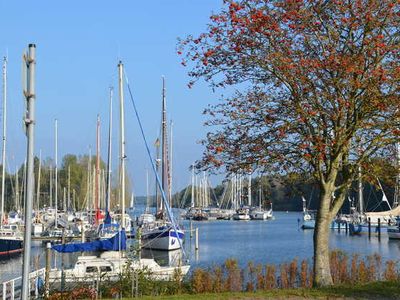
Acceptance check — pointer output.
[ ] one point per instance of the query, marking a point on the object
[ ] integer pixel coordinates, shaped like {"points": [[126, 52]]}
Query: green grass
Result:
{"points": [[376, 290]]}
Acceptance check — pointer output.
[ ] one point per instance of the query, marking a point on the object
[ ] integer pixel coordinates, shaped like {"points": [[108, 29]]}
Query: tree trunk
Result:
{"points": [[322, 270]]}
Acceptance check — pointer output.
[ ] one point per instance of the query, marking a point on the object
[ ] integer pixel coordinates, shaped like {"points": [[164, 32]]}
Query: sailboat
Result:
{"points": [[259, 213], [11, 237], [378, 220], [308, 216], [161, 234]]}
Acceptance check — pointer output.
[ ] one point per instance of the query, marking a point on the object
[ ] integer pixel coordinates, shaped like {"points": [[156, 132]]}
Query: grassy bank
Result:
{"points": [[374, 290]]}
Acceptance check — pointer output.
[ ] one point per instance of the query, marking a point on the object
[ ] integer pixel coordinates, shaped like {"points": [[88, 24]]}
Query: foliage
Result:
{"points": [[317, 90]]}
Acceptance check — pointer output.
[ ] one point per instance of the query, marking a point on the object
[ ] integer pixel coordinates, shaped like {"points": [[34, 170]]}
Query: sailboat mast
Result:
{"points": [[16, 190], [192, 198], [108, 189], [96, 204], [122, 142], [164, 141], [38, 181], [170, 166], [249, 191], [69, 206], [397, 186], [3, 158], [360, 191], [56, 173]]}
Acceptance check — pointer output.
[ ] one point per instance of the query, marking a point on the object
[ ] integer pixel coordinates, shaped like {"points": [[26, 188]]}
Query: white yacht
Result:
{"points": [[110, 265]]}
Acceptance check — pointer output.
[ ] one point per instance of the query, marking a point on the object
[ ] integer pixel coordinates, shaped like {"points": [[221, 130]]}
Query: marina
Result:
{"points": [[121, 183], [272, 242]]}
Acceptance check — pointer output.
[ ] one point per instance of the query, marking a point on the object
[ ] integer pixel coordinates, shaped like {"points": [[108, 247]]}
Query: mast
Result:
{"points": [[147, 192], [170, 166], [38, 181], [397, 186], [164, 149], [159, 202], [360, 191], [97, 183], [69, 189], [16, 190], [29, 120], [192, 197], [108, 189], [51, 186], [3, 158], [122, 142], [249, 191], [56, 172]]}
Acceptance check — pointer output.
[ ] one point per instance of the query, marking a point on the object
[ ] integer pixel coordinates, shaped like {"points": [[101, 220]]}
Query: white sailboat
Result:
{"points": [[161, 234], [11, 237]]}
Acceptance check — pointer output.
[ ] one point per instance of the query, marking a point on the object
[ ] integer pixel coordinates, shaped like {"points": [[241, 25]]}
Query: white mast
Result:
{"points": [[56, 171], [397, 186], [3, 163], [51, 186], [38, 181], [122, 142], [192, 198], [170, 166], [249, 191], [108, 189]]}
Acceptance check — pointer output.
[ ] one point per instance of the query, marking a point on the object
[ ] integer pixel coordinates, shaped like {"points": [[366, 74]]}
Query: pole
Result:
{"points": [[48, 266], [196, 245], [3, 159], [108, 190], [192, 197], [122, 141], [379, 228], [56, 172], [30, 130], [51, 187], [97, 182], [69, 206], [164, 144], [38, 183]]}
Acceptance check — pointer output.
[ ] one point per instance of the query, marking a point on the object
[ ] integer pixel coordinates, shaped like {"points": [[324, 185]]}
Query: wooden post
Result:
{"points": [[191, 229], [379, 228], [369, 227], [196, 246], [338, 227], [347, 227], [47, 272]]}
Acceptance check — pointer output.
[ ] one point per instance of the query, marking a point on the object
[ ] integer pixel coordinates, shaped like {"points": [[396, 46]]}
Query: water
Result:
{"points": [[265, 242]]}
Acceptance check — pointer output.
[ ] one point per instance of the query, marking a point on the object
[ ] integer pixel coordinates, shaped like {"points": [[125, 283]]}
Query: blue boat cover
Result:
{"points": [[116, 243]]}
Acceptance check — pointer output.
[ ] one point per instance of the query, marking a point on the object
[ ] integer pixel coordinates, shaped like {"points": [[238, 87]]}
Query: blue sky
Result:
{"points": [[79, 44]]}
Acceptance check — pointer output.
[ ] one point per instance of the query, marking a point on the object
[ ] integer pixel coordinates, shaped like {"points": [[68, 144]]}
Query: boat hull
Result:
{"points": [[161, 239], [10, 247], [240, 217]]}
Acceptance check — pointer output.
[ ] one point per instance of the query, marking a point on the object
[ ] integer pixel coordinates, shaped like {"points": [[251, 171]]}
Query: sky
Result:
{"points": [[78, 46]]}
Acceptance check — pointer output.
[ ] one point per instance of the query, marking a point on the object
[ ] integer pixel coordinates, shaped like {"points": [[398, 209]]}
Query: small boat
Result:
{"points": [[11, 240], [242, 214], [393, 231], [109, 266], [161, 236], [308, 217]]}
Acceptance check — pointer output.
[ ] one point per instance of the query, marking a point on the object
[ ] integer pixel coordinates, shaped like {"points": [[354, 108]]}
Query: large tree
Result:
{"points": [[317, 90]]}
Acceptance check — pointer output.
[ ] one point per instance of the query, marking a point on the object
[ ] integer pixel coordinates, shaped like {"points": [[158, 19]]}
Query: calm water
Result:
{"points": [[272, 241]]}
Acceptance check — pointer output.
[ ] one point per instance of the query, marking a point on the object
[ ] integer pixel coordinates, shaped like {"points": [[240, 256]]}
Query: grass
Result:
{"points": [[375, 290]]}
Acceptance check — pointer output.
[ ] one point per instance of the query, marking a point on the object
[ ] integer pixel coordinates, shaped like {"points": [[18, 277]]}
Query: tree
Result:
{"points": [[317, 90]]}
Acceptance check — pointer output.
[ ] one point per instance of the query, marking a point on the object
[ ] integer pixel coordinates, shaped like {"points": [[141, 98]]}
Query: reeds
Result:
{"points": [[229, 277]]}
